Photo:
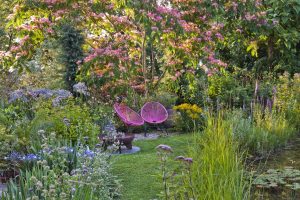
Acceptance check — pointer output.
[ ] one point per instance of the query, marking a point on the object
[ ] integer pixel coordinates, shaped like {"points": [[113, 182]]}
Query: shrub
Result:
{"points": [[69, 121], [287, 98], [190, 118]]}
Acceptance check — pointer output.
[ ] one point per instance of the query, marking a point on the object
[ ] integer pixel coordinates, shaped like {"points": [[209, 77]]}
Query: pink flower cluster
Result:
{"points": [[215, 61], [52, 2], [188, 26], [120, 54], [168, 11], [154, 17], [97, 16]]}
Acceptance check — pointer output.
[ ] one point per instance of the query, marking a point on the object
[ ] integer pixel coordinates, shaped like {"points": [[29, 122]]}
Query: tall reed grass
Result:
{"points": [[217, 171]]}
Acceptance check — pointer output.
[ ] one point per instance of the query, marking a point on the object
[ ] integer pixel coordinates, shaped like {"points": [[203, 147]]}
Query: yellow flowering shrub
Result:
{"points": [[193, 111]]}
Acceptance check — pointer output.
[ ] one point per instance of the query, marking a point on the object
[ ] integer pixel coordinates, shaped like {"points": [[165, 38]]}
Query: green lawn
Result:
{"points": [[139, 172]]}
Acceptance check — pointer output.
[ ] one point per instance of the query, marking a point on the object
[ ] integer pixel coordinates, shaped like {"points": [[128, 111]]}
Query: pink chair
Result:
{"points": [[154, 113], [128, 116]]}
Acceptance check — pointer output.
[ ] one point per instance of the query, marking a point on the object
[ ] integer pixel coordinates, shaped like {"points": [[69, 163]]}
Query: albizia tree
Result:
{"points": [[132, 43]]}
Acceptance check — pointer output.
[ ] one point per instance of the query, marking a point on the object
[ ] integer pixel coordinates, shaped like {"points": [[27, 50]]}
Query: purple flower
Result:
{"points": [[163, 147], [30, 157], [62, 93], [45, 93], [56, 101], [88, 153], [81, 88], [17, 95], [179, 158], [68, 149], [14, 156], [188, 160]]}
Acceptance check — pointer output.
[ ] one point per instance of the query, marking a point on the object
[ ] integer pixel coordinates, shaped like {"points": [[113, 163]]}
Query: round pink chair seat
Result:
{"points": [[154, 113], [128, 116]]}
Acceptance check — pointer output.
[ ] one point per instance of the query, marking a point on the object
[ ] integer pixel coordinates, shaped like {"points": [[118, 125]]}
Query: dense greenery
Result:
{"points": [[226, 71]]}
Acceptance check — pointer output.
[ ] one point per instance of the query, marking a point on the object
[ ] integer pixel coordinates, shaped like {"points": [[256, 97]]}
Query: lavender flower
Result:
{"points": [[186, 160], [109, 128], [68, 149], [67, 122]]}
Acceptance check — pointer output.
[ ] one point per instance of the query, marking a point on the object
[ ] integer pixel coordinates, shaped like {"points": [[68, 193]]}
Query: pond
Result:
{"points": [[280, 177]]}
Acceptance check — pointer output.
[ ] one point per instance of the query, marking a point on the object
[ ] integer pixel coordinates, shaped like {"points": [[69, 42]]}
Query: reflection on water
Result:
{"points": [[289, 157]]}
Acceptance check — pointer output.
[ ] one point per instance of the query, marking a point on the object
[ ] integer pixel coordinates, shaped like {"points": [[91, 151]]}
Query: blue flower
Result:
{"points": [[30, 157], [88, 153], [14, 156], [69, 150]]}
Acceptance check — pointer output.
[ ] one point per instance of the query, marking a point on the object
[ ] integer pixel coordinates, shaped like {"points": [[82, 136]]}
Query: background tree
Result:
{"points": [[71, 43]]}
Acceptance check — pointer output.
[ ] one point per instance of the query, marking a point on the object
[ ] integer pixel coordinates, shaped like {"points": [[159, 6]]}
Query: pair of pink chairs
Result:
{"points": [[151, 112]]}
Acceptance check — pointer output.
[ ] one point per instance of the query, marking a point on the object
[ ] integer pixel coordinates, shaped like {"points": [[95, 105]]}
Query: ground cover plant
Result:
{"points": [[226, 71]]}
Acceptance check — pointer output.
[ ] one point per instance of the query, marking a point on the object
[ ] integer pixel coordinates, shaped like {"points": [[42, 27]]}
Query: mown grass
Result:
{"points": [[139, 172]]}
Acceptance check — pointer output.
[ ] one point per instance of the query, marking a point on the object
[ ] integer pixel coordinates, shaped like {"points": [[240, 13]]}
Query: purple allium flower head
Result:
{"points": [[188, 160], [179, 158], [163, 147]]}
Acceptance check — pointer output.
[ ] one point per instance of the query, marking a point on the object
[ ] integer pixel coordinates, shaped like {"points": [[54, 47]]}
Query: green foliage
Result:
{"points": [[262, 133], [287, 98], [70, 121], [228, 90]]}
